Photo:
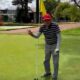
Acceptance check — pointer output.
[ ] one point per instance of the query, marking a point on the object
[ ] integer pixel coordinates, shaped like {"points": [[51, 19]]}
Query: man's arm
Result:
{"points": [[37, 35], [58, 42]]}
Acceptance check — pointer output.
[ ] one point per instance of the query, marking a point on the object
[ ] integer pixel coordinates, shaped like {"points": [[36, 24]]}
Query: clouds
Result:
{"points": [[7, 4]]}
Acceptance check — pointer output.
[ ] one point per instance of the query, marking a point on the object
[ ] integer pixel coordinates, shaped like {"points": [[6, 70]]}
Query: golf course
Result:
{"points": [[21, 55]]}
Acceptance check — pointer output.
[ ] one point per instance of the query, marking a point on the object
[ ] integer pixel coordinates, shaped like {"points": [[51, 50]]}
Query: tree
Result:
{"points": [[30, 1], [59, 11], [67, 12], [22, 10], [51, 5], [74, 13], [77, 2]]}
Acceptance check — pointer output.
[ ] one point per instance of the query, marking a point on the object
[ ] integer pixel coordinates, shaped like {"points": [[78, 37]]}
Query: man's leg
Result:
{"points": [[47, 59], [56, 65]]}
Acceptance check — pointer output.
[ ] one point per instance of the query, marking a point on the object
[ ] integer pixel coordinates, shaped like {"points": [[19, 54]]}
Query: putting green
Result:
{"points": [[18, 56]]}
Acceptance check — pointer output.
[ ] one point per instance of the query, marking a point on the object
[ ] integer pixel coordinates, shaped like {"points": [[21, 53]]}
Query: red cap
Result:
{"points": [[46, 17]]}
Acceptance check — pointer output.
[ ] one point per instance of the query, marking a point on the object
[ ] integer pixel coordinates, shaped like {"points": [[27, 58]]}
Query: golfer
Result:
{"points": [[51, 33]]}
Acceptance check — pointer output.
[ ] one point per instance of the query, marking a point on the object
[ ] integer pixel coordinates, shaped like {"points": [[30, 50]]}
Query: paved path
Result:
{"points": [[24, 31]]}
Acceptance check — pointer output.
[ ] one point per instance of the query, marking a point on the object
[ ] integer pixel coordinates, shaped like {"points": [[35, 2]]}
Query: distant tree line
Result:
{"points": [[67, 12], [60, 11], [63, 11]]}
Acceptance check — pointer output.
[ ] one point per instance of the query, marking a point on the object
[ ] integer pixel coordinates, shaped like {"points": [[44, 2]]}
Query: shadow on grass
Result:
{"points": [[50, 78], [47, 78]]}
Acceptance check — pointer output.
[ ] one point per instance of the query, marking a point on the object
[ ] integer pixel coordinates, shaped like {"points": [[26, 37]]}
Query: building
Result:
{"points": [[8, 15]]}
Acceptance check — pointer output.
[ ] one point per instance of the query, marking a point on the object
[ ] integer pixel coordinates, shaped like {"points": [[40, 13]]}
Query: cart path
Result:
{"points": [[64, 26]]}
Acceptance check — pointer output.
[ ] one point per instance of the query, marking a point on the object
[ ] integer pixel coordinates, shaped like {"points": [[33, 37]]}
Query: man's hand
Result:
{"points": [[29, 32], [56, 51]]}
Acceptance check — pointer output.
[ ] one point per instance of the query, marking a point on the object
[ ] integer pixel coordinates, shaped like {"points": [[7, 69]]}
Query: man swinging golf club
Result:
{"points": [[51, 32]]}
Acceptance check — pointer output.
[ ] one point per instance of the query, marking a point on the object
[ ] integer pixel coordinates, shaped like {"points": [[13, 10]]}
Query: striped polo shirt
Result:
{"points": [[50, 33]]}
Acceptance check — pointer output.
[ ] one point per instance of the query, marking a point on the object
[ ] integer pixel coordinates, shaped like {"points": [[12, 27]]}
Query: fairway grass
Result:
{"points": [[18, 56]]}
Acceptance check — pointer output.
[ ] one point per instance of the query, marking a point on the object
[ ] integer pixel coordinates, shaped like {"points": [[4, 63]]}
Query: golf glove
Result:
{"points": [[56, 51]]}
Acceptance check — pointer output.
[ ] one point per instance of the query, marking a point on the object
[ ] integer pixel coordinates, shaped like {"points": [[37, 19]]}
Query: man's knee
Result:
{"points": [[46, 62]]}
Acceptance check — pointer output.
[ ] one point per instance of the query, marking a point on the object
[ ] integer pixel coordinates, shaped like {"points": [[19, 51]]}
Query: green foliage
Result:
{"points": [[59, 11], [51, 5], [68, 12], [74, 13]]}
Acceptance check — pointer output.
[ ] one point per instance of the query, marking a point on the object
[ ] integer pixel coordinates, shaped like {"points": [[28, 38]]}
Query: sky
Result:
{"points": [[7, 4]]}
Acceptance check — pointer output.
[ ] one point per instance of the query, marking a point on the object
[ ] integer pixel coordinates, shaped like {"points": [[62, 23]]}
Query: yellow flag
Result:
{"points": [[42, 7]]}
